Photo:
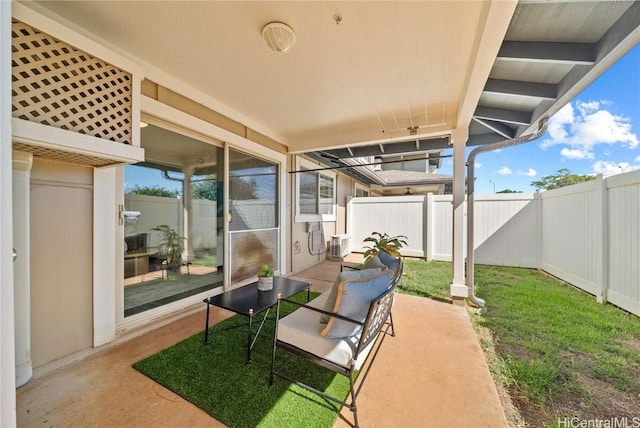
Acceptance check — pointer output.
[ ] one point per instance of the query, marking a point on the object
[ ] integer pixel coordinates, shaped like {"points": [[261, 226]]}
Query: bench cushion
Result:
{"points": [[302, 330], [353, 300]]}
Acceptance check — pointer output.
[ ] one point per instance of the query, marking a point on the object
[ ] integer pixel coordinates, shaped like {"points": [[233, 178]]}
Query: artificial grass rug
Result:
{"points": [[216, 378]]}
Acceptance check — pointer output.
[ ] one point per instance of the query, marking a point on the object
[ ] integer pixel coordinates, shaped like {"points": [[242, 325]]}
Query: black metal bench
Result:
{"points": [[352, 356]]}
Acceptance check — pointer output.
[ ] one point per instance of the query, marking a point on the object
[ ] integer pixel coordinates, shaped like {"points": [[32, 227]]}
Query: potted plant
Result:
{"points": [[265, 278], [382, 241], [172, 246]]}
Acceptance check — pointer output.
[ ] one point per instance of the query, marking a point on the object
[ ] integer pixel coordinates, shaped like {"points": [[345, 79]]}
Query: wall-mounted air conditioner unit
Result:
{"points": [[340, 246]]}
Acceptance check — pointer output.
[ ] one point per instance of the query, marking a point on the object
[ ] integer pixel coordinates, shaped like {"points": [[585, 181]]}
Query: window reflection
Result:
{"points": [[173, 225]]}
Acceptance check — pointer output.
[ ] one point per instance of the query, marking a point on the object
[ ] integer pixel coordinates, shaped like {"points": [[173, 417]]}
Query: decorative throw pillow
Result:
{"points": [[374, 262], [352, 301], [354, 274], [389, 261]]}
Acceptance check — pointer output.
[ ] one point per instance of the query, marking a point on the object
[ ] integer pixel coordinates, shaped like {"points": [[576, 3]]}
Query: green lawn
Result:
{"points": [[557, 352], [205, 259]]}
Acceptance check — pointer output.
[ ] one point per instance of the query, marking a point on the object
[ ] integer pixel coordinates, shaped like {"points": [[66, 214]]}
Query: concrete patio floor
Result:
{"points": [[432, 374]]}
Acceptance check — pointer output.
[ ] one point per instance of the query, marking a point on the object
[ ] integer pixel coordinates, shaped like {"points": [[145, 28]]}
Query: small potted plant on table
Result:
{"points": [[265, 278]]}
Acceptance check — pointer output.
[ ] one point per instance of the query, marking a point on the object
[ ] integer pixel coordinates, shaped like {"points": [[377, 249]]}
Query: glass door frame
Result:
{"points": [[280, 159], [162, 115]]}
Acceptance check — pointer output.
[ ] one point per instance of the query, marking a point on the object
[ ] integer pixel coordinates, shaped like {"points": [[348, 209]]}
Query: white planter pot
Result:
{"points": [[265, 284]]}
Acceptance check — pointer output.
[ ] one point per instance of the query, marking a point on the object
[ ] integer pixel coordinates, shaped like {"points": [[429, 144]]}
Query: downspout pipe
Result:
{"points": [[542, 128]]}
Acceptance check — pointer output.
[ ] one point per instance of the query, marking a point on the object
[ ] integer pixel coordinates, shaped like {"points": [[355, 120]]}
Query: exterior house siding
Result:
{"points": [[61, 260]]}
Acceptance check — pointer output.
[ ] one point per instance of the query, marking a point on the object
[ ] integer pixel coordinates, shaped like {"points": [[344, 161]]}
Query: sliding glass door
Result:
{"points": [[175, 215], [173, 221], [254, 228]]}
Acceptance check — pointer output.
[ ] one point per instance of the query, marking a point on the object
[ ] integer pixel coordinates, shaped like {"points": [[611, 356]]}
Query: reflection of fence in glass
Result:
{"points": [[251, 249], [253, 214], [157, 210]]}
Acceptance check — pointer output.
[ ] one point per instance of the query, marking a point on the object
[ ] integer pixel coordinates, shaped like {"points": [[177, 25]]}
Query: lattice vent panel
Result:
{"points": [[64, 156], [57, 85]]}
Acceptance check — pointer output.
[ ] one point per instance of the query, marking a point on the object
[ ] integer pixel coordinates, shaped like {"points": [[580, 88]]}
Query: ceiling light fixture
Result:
{"points": [[279, 37]]}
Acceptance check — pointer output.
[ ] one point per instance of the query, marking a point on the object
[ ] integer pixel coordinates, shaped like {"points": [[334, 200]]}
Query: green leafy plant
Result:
{"points": [[382, 241], [265, 272], [173, 245]]}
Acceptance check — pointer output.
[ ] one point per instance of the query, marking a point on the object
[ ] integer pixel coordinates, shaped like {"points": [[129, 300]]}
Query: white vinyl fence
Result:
{"points": [[587, 234], [591, 238], [623, 219], [155, 211], [506, 229]]}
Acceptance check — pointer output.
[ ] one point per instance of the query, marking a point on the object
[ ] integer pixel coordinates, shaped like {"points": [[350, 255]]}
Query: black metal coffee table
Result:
{"points": [[248, 301]]}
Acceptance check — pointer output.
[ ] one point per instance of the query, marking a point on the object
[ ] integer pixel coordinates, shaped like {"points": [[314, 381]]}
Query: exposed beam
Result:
{"points": [[410, 146], [335, 165], [503, 115], [482, 139], [623, 36], [516, 88], [556, 52], [497, 127]]}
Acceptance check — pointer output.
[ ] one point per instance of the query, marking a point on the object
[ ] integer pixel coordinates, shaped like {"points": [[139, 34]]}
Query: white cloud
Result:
{"points": [[586, 106], [578, 153], [529, 173], [477, 165], [602, 127], [563, 118], [505, 170], [609, 168], [586, 126]]}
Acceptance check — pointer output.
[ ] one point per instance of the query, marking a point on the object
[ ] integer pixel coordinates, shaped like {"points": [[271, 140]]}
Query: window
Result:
{"points": [[361, 191], [316, 194]]}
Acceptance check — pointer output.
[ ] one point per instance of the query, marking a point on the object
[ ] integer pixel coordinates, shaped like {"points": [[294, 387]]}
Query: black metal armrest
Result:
{"points": [[357, 266], [320, 311]]}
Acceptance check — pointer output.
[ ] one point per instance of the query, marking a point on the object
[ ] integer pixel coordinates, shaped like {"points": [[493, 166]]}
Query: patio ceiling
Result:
{"points": [[389, 77]]}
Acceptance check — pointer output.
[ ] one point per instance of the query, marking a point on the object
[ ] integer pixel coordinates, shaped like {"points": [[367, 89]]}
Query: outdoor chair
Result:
{"points": [[350, 341]]}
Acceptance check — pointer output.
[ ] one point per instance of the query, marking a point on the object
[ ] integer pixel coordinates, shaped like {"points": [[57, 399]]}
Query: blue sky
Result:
{"points": [[598, 132], [141, 176]]}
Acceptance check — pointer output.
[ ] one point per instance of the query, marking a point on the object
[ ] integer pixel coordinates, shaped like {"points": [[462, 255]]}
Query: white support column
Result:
{"points": [[187, 207], [107, 227], [22, 163], [7, 334], [459, 289]]}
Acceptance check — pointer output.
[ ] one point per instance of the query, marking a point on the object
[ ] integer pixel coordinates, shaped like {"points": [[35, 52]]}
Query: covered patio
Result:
{"points": [[366, 85], [441, 380]]}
